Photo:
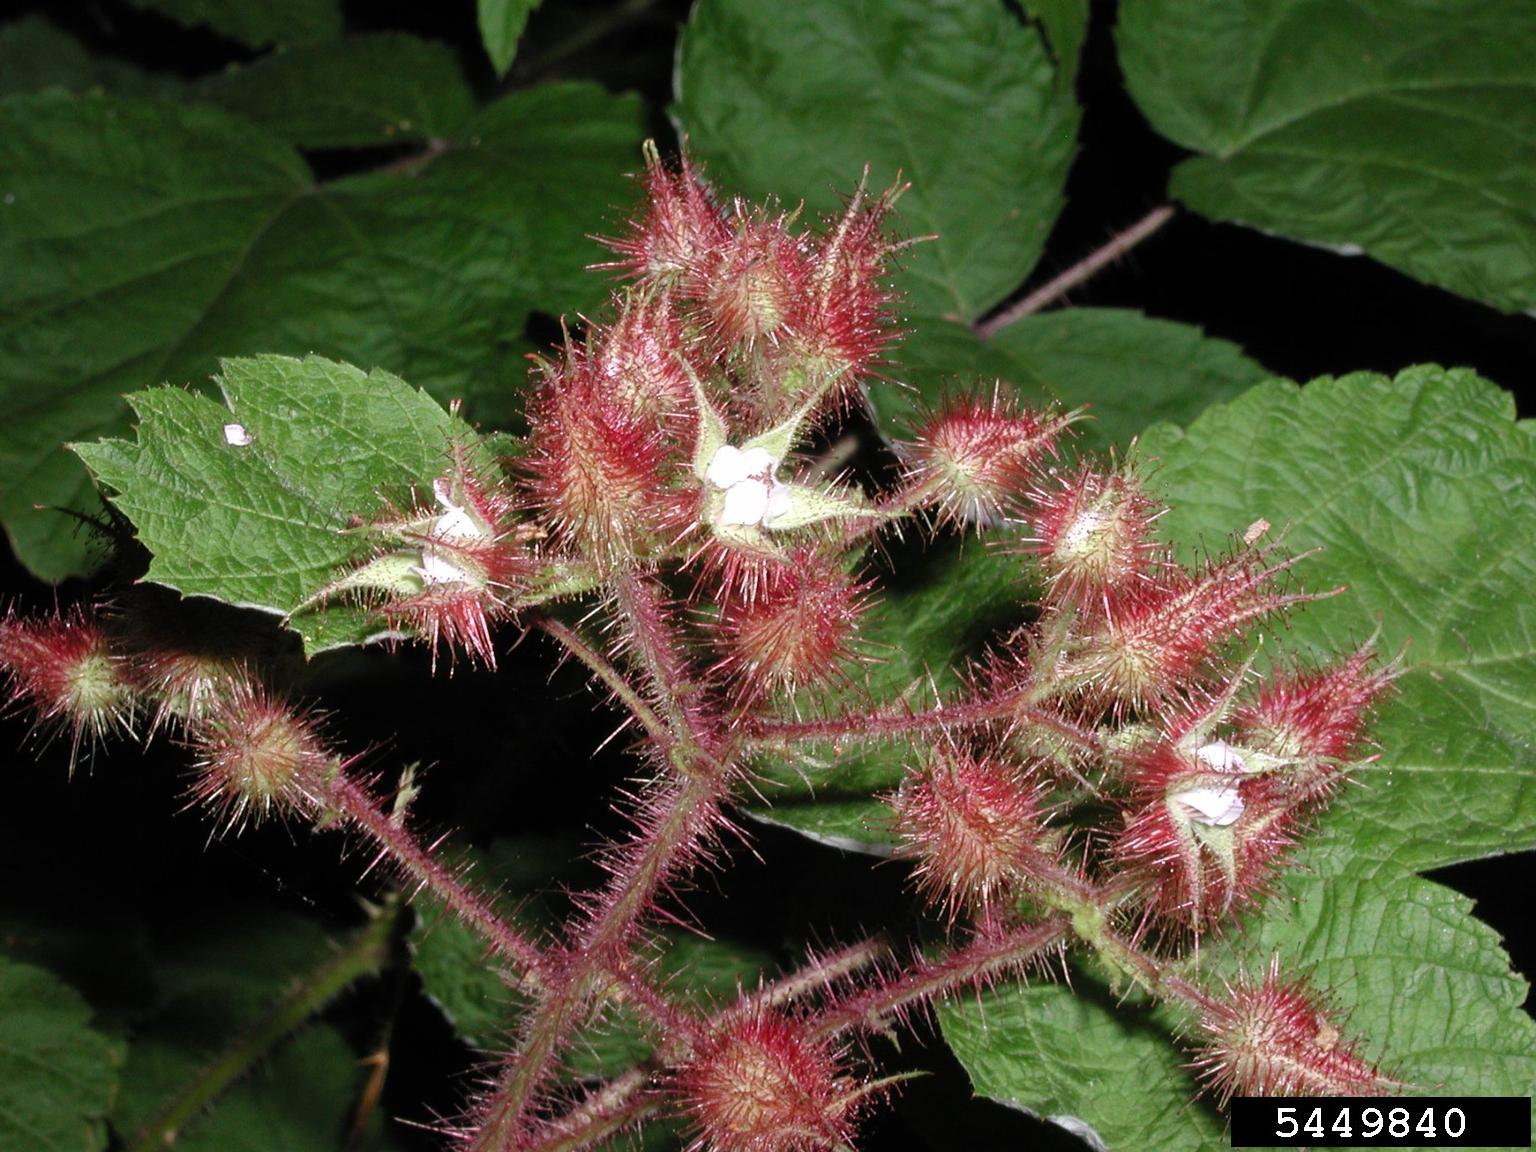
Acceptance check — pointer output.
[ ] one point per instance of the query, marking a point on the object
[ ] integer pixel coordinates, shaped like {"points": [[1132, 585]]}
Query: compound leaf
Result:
{"points": [[255, 23], [358, 92], [501, 27], [1127, 369], [1422, 492], [148, 239], [1426, 987]]}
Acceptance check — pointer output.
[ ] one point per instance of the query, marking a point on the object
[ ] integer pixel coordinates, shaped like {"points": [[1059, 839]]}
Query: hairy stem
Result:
{"points": [[681, 813], [1084, 270], [609, 1110], [981, 959], [891, 723], [366, 952], [356, 806], [610, 676]]}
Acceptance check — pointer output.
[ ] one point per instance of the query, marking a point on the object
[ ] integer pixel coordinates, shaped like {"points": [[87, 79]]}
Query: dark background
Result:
{"points": [[103, 846]]}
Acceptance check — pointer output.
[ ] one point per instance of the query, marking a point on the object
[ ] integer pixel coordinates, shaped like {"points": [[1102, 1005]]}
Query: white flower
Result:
{"points": [[1218, 805], [453, 526], [753, 493]]}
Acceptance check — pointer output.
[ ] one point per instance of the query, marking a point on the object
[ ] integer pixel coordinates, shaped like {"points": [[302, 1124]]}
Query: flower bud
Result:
{"points": [[751, 285], [796, 630], [64, 669], [1312, 723], [602, 477], [841, 322], [679, 227], [1162, 633], [761, 1084], [255, 755], [639, 360], [975, 458], [1268, 1038], [1093, 534], [974, 824]]}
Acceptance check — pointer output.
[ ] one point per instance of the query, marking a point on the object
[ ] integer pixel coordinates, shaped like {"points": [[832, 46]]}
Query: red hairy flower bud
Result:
{"points": [[63, 669], [975, 458], [975, 825], [1269, 1038], [795, 629], [750, 287], [1312, 723], [761, 1084], [841, 322], [639, 359], [255, 755], [1202, 829], [1093, 534], [603, 478], [1162, 633], [678, 228]]}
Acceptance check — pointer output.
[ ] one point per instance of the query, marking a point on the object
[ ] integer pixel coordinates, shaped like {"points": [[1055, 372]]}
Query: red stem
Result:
{"points": [[891, 722], [1084, 270], [353, 801], [679, 817]]}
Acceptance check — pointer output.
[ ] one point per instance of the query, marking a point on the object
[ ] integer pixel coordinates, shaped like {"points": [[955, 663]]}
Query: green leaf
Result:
{"points": [[1422, 491], [255, 23], [457, 971], [1127, 369], [1066, 27], [298, 1101], [265, 524], [57, 1074], [1426, 986], [358, 92], [1404, 130], [222, 245], [36, 54], [959, 97], [217, 977], [501, 26]]}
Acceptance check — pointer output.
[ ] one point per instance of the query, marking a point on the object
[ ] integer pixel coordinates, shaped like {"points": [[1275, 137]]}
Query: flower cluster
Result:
{"points": [[1112, 772]]}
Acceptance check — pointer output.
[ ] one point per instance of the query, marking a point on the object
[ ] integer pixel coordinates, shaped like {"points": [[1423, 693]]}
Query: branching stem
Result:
{"points": [[682, 813], [1081, 272], [892, 723], [357, 807]]}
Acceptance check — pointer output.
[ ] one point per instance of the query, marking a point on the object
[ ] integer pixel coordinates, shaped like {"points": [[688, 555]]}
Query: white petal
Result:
{"points": [[438, 568], [758, 462], [1221, 756], [727, 468], [745, 503], [779, 500], [237, 435], [1216, 806], [456, 525]]}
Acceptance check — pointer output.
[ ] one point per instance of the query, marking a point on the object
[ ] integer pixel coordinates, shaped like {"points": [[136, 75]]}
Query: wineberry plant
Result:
{"points": [[677, 635]]}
